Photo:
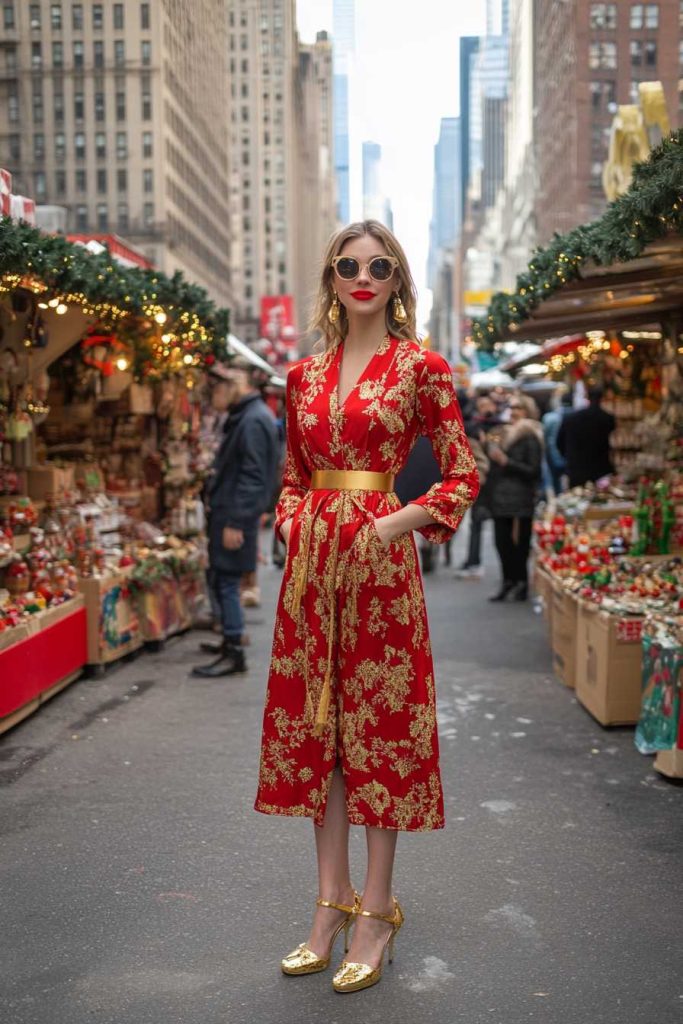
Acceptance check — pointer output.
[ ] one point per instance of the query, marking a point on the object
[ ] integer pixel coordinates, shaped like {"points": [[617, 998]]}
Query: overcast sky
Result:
{"points": [[407, 80]]}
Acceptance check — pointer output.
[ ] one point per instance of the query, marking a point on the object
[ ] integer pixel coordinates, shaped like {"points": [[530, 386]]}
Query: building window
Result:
{"points": [[11, 59], [97, 17], [144, 15], [636, 53], [8, 16], [81, 181], [680, 58], [146, 52], [34, 16], [56, 17], [40, 186], [147, 180], [99, 106], [77, 17], [60, 183], [650, 53], [120, 105], [146, 99], [60, 146], [651, 15], [102, 217], [79, 104], [15, 147], [148, 215], [636, 15], [78, 53], [98, 53], [39, 146], [118, 16], [122, 179], [57, 55], [121, 145], [122, 220], [101, 180], [81, 218], [100, 145], [602, 94], [59, 107], [147, 145], [79, 145], [37, 108], [603, 55], [36, 55], [119, 52]]}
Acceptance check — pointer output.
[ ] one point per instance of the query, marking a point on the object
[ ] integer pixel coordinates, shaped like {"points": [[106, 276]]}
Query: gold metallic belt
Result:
{"points": [[351, 480]]}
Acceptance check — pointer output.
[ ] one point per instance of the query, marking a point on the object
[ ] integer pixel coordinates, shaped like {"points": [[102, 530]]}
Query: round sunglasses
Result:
{"points": [[380, 268]]}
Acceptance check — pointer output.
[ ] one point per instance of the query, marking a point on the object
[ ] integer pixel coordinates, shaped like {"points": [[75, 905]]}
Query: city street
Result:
{"points": [[139, 886]]}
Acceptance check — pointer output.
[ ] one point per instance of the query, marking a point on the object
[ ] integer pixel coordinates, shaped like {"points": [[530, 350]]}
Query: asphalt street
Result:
{"points": [[139, 886]]}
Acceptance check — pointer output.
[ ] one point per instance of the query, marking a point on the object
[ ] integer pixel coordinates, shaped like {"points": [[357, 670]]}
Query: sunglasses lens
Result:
{"points": [[347, 268], [380, 269]]}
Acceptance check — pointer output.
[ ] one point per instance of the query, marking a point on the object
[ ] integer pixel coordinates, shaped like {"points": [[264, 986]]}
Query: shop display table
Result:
{"points": [[40, 657]]}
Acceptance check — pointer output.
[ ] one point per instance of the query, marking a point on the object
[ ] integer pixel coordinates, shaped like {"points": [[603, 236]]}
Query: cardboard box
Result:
{"points": [[609, 666], [564, 613], [113, 624], [670, 763], [54, 480]]}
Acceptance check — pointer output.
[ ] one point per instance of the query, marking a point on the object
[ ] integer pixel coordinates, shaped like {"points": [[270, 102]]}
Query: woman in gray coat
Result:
{"points": [[516, 469]]}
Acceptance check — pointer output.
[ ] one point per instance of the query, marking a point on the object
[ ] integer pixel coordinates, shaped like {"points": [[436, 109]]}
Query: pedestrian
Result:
{"points": [[420, 472], [349, 729], [583, 440], [515, 473], [555, 464], [238, 494], [485, 418]]}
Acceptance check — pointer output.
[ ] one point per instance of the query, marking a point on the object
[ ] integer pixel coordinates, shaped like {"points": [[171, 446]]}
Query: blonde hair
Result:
{"points": [[331, 333]]}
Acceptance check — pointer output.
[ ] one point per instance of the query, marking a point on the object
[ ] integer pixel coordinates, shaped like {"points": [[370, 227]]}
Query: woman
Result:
{"points": [[515, 474], [349, 732]]}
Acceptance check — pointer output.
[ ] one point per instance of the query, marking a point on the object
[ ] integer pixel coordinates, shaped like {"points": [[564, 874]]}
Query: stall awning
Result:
{"points": [[550, 348], [623, 295]]}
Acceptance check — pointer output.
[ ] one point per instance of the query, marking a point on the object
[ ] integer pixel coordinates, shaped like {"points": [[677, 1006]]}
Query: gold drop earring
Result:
{"points": [[334, 311], [400, 315]]}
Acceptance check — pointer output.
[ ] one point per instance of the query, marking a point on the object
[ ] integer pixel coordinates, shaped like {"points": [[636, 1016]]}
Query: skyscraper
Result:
{"points": [[344, 45], [376, 206], [117, 113], [469, 47], [446, 214]]}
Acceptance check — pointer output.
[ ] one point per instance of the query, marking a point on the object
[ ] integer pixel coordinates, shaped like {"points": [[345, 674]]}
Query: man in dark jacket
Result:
{"points": [[583, 440], [238, 494]]}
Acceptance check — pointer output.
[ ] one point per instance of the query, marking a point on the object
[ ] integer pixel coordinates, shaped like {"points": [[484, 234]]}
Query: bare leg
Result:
{"points": [[334, 879], [369, 935]]}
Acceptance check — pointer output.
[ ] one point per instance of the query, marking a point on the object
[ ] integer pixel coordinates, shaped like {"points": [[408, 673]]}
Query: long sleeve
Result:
{"points": [[296, 476], [255, 479], [441, 421]]}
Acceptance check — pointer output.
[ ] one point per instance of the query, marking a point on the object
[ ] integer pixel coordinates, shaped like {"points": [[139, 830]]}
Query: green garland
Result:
{"points": [[651, 208], [68, 269]]}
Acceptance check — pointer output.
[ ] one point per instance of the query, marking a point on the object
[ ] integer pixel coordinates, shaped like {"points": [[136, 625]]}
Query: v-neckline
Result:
{"points": [[381, 348]]}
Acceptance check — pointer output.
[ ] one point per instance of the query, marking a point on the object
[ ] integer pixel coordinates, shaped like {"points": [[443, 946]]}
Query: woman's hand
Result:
{"points": [[384, 530], [496, 453], [286, 529]]}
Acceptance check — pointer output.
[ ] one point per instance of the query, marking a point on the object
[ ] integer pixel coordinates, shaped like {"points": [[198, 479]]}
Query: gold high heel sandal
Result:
{"points": [[353, 977], [303, 960]]}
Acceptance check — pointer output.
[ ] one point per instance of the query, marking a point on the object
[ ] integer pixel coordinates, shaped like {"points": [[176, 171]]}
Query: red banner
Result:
{"points": [[277, 318]]}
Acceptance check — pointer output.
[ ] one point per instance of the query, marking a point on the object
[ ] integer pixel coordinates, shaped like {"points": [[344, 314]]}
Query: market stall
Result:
{"points": [[101, 460], [606, 301]]}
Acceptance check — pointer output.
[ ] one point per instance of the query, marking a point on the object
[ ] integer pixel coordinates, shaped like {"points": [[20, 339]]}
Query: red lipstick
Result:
{"points": [[363, 295]]}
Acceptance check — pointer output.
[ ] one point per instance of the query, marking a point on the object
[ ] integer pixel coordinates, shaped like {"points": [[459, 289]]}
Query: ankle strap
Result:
{"points": [[389, 918], [341, 906]]}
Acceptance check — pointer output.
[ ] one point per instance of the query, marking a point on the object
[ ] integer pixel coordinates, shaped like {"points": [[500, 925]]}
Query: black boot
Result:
{"points": [[506, 588], [230, 661], [211, 646], [521, 591]]}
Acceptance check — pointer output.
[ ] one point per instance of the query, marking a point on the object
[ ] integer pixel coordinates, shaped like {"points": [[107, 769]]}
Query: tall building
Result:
{"points": [[263, 66], [589, 58], [281, 147], [469, 47], [446, 217], [316, 181], [116, 112], [376, 206], [344, 46]]}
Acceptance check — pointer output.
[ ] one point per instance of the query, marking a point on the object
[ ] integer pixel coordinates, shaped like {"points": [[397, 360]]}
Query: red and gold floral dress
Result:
{"points": [[351, 678]]}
